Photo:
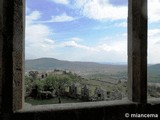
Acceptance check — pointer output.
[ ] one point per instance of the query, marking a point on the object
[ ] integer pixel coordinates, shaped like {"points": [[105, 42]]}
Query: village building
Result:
{"points": [[85, 93], [73, 90], [99, 94]]}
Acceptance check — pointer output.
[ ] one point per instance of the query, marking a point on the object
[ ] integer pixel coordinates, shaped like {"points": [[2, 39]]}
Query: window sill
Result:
{"points": [[74, 106], [154, 101]]}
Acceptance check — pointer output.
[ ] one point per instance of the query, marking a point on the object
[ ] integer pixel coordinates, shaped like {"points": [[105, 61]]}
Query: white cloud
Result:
{"points": [[35, 15], [65, 2], [37, 37], [153, 45], [154, 10], [40, 44], [76, 39], [107, 50], [153, 32], [117, 46], [62, 18], [99, 53], [104, 10], [101, 10], [49, 41], [122, 24], [70, 44], [74, 44]]}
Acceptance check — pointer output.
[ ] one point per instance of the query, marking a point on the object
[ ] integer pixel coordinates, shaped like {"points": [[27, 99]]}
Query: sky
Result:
{"points": [[85, 30]]}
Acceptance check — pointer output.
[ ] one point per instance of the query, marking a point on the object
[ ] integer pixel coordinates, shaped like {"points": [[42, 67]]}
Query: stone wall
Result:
{"points": [[88, 111], [11, 54], [1, 47], [11, 98]]}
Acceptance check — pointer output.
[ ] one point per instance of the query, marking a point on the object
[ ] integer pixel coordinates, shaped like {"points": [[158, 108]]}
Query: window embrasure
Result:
{"points": [[13, 53], [79, 38], [153, 88]]}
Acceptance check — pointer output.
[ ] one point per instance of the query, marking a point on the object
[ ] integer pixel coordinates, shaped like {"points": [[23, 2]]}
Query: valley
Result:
{"points": [[109, 79]]}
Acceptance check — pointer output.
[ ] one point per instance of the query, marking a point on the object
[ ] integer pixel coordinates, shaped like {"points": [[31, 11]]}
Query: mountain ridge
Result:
{"points": [[43, 63], [52, 63], [86, 68]]}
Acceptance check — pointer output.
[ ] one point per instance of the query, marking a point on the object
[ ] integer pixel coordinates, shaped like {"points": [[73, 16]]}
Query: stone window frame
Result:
{"points": [[12, 20]]}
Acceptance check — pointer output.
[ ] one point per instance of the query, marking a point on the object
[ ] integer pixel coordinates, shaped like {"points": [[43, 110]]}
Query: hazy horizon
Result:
{"points": [[116, 63]]}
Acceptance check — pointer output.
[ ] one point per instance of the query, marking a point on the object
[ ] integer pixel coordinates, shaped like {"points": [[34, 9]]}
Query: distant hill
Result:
{"points": [[44, 64], [154, 68], [90, 69], [154, 73]]}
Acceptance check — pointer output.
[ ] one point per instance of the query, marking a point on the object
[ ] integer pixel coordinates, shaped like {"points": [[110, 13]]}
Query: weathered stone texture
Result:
{"points": [[18, 53], [12, 54], [109, 112], [11, 71], [1, 47], [137, 50]]}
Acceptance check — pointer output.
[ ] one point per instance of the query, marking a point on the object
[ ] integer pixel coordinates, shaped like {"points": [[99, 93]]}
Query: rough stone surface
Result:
{"points": [[11, 54], [137, 50], [11, 73], [1, 47], [100, 94], [85, 92], [113, 111], [18, 53]]}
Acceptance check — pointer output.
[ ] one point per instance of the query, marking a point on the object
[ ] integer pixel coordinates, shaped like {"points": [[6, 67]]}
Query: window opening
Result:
{"points": [[75, 51], [153, 48]]}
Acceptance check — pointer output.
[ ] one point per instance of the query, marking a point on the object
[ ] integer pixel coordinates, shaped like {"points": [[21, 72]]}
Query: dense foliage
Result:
{"points": [[57, 82]]}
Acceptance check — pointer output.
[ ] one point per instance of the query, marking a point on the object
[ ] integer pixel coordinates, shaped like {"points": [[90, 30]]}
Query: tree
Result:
{"points": [[49, 83], [33, 74], [28, 85], [59, 83], [56, 82]]}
